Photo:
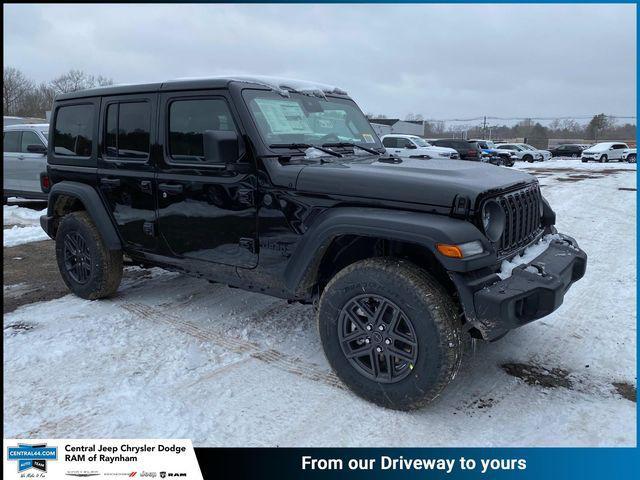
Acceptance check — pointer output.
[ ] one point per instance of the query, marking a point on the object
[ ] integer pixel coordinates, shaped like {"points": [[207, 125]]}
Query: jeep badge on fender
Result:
{"points": [[282, 187]]}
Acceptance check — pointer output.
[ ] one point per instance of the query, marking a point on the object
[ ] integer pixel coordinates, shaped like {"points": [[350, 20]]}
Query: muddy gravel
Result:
{"points": [[31, 275]]}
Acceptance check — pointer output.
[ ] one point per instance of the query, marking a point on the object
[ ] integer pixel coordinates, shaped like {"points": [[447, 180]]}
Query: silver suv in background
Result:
{"points": [[24, 163]]}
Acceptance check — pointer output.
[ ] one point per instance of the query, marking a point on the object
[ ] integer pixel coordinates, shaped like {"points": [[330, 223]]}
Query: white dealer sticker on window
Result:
{"points": [[283, 116]]}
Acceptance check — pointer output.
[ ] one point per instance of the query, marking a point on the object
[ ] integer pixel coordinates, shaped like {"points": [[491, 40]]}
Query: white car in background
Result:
{"points": [[412, 146], [629, 155], [522, 153], [24, 161], [604, 152], [546, 154]]}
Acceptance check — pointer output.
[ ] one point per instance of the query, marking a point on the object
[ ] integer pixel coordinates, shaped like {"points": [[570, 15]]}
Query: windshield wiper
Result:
{"points": [[300, 146], [349, 144]]}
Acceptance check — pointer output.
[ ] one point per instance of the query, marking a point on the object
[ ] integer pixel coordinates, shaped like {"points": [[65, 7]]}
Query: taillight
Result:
{"points": [[45, 183], [473, 153]]}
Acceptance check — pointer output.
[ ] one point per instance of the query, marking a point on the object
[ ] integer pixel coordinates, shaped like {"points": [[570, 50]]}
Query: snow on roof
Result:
{"points": [[282, 85]]}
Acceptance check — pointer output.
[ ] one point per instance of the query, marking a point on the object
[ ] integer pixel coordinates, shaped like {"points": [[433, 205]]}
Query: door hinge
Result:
{"points": [[149, 228], [249, 244]]}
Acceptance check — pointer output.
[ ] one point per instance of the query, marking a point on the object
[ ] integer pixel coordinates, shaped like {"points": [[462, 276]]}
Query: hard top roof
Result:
{"points": [[282, 85]]}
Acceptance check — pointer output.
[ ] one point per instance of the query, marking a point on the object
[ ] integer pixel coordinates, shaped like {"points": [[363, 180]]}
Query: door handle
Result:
{"points": [[170, 188], [110, 182]]}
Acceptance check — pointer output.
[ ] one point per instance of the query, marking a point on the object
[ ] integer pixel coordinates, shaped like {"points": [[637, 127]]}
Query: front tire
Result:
{"points": [[603, 159], [88, 268], [390, 332]]}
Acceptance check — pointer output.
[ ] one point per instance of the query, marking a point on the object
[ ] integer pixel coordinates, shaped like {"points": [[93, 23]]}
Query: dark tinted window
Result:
{"points": [[11, 142], [389, 142], [188, 119], [29, 138], [111, 136], [127, 130], [73, 132], [404, 143]]}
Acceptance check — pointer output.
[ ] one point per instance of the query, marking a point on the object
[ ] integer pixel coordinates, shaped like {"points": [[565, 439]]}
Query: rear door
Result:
{"points": [[32, 164], [11, 159], [126, 171], [206, 212]]}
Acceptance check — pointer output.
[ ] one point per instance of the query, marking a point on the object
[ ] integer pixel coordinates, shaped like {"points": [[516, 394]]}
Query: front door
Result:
{"points": [[205, 211], [32, 164], [126, 172]]}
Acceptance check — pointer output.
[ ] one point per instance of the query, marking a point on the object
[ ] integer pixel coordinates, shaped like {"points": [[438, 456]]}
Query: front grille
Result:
{"points": [[523, 222]]}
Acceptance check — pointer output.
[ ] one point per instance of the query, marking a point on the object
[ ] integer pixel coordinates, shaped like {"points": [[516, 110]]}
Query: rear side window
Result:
{"points": [[73, 133], [29, 138], [11, 142], [188, 120], [127, 130], [389, 142]]}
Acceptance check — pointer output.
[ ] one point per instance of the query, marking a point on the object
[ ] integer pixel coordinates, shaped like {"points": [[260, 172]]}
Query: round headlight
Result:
{"points": [[493, 220]]}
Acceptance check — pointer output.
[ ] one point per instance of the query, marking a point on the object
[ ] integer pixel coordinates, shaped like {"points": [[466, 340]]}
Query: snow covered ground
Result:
{"points": [[172, 356], [24, 225]]}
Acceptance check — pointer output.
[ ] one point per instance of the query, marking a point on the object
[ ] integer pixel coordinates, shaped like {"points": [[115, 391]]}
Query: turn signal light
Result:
{"points": [[452, 251], [463, 250]]}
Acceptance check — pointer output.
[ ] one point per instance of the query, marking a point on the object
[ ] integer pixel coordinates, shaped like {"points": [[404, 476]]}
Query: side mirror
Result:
{"points": [[36, 148], [411, 146], [220, 146]]}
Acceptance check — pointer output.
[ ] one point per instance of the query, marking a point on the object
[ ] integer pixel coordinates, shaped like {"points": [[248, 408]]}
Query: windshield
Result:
{"points": [[302, 119], [421, 142], [527, 147]]}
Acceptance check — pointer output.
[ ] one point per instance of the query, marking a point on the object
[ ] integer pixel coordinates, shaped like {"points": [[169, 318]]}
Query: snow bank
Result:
{"points": [[17, 235], [17, 215]]}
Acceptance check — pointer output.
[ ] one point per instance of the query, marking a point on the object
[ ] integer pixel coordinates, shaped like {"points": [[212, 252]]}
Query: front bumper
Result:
{"points": [[494, 306]]}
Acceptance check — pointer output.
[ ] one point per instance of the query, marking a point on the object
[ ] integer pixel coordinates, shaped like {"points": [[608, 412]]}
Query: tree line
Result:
{"points": [[23, 97], [600, 127]]}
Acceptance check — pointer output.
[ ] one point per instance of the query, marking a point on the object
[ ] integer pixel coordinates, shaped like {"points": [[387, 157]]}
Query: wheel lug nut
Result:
{"points": [[366, 340], [369, 327], [387, 341], [381, 328], [379, 349]]}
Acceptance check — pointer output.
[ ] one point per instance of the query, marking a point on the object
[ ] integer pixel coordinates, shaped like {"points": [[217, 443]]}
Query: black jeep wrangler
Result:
{"points": [[282, 187]]}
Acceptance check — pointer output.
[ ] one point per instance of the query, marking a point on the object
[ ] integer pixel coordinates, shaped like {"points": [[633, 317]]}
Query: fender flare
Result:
{"points": [[94, 207], [419, 228]]}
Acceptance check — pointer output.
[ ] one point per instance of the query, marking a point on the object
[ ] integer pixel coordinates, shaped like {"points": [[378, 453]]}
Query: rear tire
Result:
{"points": [[406, 339], [87, 266], [631, 158]]}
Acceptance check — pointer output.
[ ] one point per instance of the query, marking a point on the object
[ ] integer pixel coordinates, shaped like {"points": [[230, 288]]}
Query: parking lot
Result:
{"points": [[176, 357]]}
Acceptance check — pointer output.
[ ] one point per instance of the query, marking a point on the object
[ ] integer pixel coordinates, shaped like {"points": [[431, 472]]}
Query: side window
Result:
{"points": [[188, 120], [389, 142], [404, 143], [619, 146], [73, 133], [127, 130], [29, 138], [11, 141]]}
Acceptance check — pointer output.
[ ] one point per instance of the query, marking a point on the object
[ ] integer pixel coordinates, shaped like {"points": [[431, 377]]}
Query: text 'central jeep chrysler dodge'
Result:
{"points": [[282, 187]]}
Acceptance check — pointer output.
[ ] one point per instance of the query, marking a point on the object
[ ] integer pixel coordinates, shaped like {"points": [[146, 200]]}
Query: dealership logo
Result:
{"points": [[32, 456]]}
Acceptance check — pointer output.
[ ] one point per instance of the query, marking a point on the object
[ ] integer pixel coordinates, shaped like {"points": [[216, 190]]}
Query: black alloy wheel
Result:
{"points": [[377, 338], [77, 257]]}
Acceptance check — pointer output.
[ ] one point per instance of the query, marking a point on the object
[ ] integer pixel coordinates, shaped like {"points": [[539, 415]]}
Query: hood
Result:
{"points": [[429, 182]]}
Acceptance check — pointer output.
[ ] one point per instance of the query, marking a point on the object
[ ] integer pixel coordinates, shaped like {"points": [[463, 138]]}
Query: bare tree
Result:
{"points": [[15, 86], [75, 80]]}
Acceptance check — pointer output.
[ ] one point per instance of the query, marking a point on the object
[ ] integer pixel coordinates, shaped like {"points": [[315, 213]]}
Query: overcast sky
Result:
{"points": [[442, 61]]}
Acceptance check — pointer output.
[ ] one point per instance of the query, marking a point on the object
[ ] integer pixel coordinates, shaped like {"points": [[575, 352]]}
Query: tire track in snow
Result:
{"points": [[294, 365]]}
